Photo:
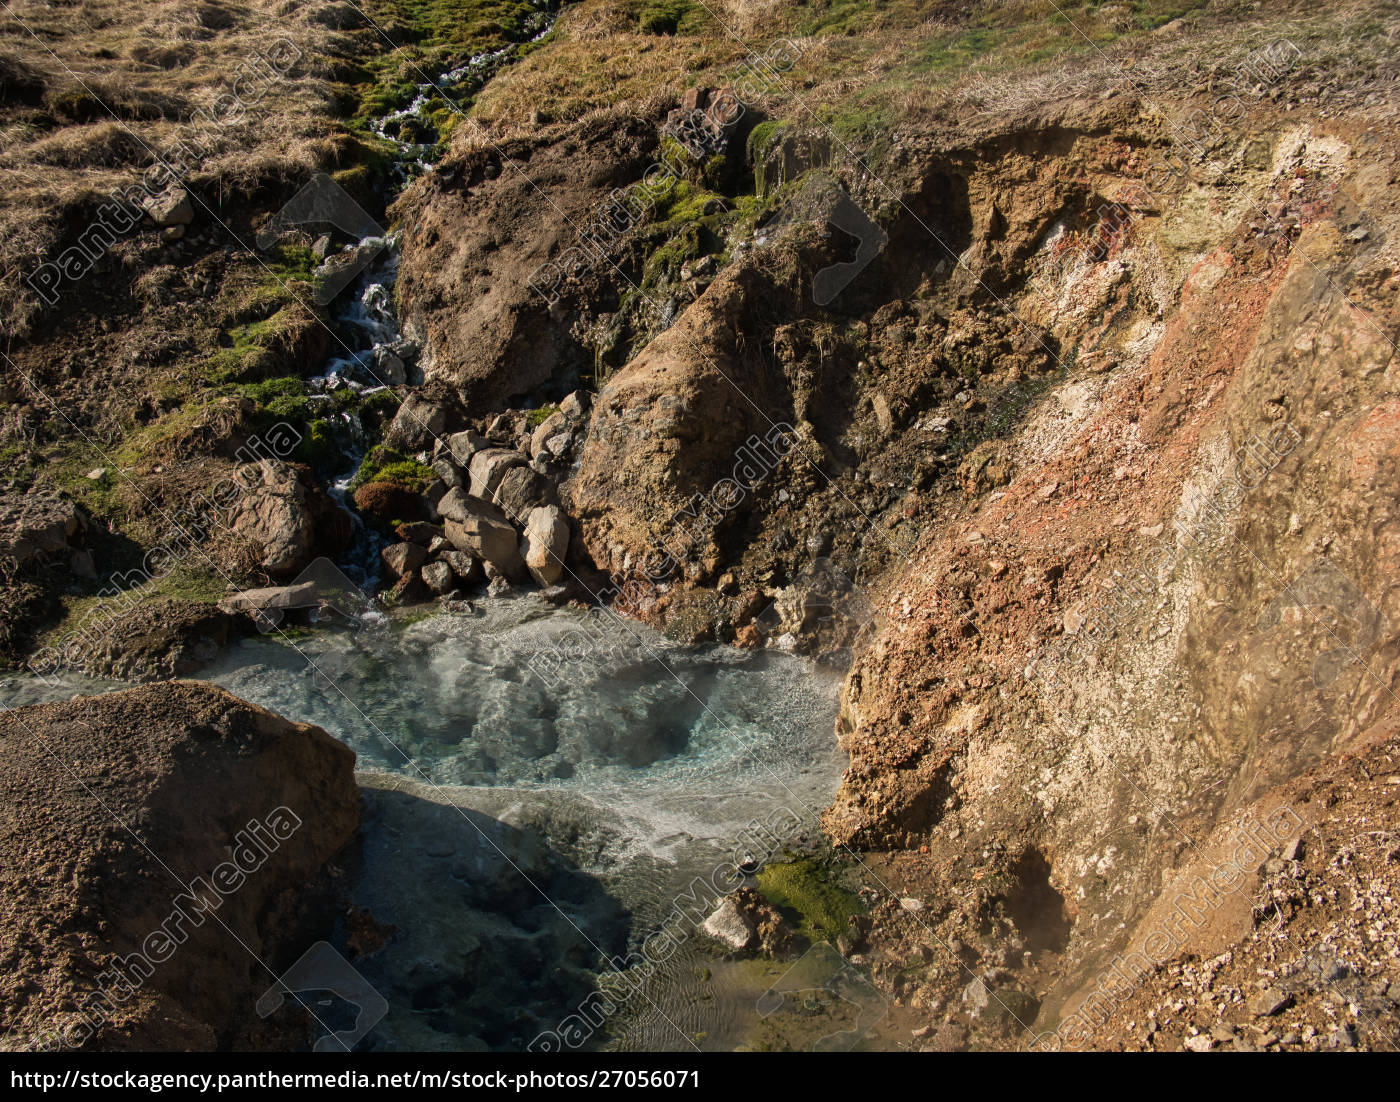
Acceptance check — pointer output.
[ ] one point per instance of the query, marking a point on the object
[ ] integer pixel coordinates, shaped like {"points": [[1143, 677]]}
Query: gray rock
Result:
{"points": [[521, 489], [550, 426], [453, 477], [491, 540], [436, 491], [276, 596], [1267, 1002], [417, 424], [730, 925], [559, 445], [458, 505], [169, 208], [489, 466], [389, 370], [576, 405], [438, 577], [83, 566], [461, 446], [464, 566]]}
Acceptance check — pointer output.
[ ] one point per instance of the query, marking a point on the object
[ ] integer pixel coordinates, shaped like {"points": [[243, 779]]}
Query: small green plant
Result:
{"points": [[671, 17], [383, 464]]}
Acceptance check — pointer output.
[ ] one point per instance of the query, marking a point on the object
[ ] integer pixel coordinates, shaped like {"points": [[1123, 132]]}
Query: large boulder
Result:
{"points": [[457, 505], [422, 419], [287, 517], [682, 446], [36, 524], [165, 855]]}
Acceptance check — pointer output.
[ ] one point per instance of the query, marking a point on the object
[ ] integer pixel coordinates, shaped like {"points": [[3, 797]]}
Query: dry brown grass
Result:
{"points": [[94, 91], [905, 63]]}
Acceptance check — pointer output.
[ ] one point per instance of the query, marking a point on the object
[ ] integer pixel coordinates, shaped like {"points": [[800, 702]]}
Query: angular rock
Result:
{"points": [[546, 543], [170, 208], [408, 590], [576, 405], [521, 489], [283, 597], [438, 577], [422, 418], [730, 925], [467, 568], [446, 468], [489, 466], [558, 446], [404, 558], [389, 370], [436, 491], [458, 505], [461, 446], [491, 540], [550, 426], [1268, 1002]]}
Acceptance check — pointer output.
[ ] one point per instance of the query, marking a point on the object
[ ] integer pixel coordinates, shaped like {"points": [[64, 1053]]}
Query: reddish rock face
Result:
{"points": [[116, 805]]}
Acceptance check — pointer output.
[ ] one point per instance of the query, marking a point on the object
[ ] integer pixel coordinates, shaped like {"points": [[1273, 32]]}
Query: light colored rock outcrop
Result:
{"points": [[546, 544]]}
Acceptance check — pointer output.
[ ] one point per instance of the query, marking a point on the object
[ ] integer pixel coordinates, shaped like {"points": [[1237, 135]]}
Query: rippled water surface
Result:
{"points": [[519, 833]]}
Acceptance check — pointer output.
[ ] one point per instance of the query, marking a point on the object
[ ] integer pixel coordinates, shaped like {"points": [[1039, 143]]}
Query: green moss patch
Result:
{"points": [[803, 890]]}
